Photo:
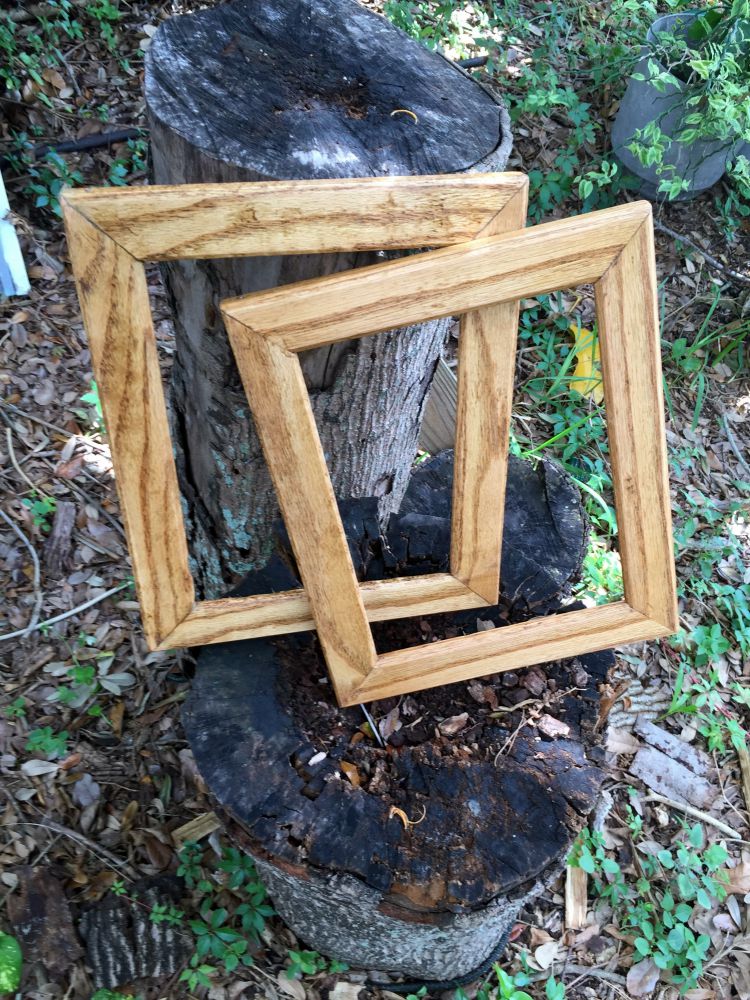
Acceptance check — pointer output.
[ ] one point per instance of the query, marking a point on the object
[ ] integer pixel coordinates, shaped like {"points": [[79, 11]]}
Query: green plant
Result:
{"points": [[655, 905], [710, 61], [111, 995], [233, 911], [11, 964], [91, 398], [41, 508], [16, 709], [48, 743]]}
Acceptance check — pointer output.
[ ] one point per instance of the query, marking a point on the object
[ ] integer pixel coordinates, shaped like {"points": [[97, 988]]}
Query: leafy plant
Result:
{"points": [[16, 709], [707, 55], [41, 508], [46, 742], [91, 398], [656, 907]]}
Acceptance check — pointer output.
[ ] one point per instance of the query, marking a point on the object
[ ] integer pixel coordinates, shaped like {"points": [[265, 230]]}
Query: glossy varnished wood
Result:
{"points": [[114, 302], [110, 233], [484, 280], [289, 217]]}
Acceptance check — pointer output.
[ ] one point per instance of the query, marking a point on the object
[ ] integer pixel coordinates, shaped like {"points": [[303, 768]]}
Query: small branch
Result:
{"points": [[733, 445], [66, 614], [38, 596], [16, 466], [711, 261], [96, 849], [692, 811]]}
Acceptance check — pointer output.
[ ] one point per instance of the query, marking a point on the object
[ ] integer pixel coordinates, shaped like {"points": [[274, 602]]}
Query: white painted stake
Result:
{"points": [[13, 277]]}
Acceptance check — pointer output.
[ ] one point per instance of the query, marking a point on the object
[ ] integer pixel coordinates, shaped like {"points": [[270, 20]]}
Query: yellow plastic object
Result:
{"points": [[587, 378]]}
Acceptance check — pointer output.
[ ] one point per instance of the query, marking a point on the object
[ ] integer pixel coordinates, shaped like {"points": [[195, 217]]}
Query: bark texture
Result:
{"points": [[273, 89], [432, 900]]}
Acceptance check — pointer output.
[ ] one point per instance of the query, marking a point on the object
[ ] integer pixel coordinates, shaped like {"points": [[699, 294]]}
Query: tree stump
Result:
{"points": [[414, 859], [272, 89]]}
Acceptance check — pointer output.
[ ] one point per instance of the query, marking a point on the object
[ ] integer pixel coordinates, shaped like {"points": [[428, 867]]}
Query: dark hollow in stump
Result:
{"points": [[298, 89], [495, 805]]}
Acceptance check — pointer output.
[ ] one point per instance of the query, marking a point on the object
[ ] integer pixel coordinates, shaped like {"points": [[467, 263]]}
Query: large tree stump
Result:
{"points": [[433, 900], [271, 89]]}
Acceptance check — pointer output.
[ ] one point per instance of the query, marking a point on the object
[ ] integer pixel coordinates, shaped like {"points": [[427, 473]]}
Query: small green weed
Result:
{"points": [[16, 709], [657, 904], [94, 416], [41, 507], [47, 743]]}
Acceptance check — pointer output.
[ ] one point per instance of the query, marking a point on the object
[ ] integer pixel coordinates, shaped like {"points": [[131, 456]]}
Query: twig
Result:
{"points": [[52, 427], [733, 445], [16, 466], [581, 971], [711, 261], [96, 849], [692, 811], [65, 614], [37, 581]]}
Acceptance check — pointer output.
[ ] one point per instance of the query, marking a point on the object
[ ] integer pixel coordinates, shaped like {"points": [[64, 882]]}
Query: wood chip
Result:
{"points": [[552, 727], [196, 829], [670, 778]]}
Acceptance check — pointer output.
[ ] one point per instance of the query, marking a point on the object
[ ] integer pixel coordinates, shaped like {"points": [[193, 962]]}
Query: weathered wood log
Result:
{"points": [[123, 944], [270, 89], [431, 899]]}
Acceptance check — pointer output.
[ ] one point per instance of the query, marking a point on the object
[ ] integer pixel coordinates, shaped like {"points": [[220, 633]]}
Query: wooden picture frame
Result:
{"points": [[482, 280], [112, 232]]}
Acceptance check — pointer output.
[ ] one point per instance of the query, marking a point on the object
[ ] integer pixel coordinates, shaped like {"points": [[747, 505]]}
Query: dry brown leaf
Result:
{"points": [[352, 772], [642, 978], [449, 727]]}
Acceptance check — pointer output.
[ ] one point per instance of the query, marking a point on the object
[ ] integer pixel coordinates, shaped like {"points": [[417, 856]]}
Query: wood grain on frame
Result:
{"points": [[112, 231], [630, 346], [444, 282], [486, 374], [232, 618], [114, 301], [284, 420], [294, 217], [554, 637]]}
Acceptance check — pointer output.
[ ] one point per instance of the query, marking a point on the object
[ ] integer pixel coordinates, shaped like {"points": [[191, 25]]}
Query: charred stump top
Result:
{"points": [[317, 88], [490, 824]]}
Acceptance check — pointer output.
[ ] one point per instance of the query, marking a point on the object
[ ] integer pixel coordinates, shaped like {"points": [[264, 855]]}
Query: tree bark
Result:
{"points": [[272, 89], [434, 899]]}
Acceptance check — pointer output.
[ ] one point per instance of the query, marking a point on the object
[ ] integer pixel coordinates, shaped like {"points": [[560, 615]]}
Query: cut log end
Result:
{"points": [[304, 88], [491, 831]]}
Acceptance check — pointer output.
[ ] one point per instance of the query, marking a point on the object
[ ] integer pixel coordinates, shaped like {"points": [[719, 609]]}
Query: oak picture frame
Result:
{"points": [[112, 233], [613, 249]]}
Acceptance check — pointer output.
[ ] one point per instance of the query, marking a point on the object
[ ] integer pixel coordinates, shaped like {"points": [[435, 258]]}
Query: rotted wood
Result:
{"points": [[429, 899], [298, 89], [123, 944]]}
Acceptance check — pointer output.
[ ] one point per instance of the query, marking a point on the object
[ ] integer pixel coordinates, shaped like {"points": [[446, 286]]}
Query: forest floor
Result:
{"points": [[98, 784]]}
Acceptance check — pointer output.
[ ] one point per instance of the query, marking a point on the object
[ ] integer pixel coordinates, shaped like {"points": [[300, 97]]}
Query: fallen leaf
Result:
{"points": [[546, 954], [345, 991], [738, 878], [587, 378], [352, 772], [292, 987], [35, 768], [642, 978], [449, 727], [86, 791], [622, 741], [390, 723]]}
